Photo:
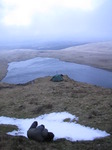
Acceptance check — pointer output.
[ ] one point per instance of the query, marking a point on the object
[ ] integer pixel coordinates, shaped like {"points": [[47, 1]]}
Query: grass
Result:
{"points": [[92, 104]]}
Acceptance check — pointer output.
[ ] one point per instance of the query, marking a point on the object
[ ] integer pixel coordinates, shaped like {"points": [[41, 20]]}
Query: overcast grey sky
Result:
{"points": [[55, 19]]}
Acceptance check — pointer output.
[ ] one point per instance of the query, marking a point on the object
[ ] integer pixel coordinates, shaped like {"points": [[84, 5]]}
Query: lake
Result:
{"points": [[25, 71]]}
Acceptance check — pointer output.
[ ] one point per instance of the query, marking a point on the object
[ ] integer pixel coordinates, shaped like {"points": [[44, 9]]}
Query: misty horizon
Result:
{"points": [[39, 22]]}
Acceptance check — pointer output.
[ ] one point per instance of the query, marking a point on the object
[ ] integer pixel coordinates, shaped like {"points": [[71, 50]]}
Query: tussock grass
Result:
{"points": [[92, 104]]}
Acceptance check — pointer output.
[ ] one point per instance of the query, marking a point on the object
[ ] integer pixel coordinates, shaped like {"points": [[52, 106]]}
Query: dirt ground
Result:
{"points": [[92, 104]]}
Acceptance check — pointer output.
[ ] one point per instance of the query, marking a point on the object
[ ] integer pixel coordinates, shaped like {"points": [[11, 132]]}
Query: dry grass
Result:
{"points": [[93, 106]]}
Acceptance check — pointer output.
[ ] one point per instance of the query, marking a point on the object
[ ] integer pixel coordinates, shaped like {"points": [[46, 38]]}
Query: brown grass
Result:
{"points": [[92, 104]]}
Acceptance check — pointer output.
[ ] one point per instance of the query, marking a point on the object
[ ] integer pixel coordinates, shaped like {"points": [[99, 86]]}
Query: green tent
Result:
{"points": [[57, 78]]}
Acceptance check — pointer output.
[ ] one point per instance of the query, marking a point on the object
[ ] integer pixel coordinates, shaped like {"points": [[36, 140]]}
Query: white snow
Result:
{"points": [[55, 123]]}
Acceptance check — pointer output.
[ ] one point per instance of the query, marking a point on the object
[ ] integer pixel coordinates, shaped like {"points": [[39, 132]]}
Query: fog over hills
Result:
{"points": [[37, 24]]}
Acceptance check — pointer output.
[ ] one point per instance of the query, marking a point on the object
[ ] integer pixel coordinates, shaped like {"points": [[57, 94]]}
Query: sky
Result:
{"points": [[54, 19], [54, 122]]}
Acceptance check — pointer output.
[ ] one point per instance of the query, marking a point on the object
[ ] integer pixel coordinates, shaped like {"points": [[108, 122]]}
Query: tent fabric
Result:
{"points": [[57, 78]]}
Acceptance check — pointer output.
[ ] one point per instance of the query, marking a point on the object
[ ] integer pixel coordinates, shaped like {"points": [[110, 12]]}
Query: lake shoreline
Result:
{"points": [[92, 104], [98, 55], [26, 71]]}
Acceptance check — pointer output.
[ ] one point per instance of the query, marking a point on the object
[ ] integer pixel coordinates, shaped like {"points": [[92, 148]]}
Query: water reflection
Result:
{"points": [[25, 71]]}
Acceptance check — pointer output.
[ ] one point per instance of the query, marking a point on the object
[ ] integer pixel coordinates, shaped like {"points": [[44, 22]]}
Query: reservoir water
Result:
{"points": [[25, 71]]}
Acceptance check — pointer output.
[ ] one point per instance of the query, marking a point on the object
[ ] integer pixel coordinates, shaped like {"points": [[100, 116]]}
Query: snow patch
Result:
{"points": [[55, 123]]}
